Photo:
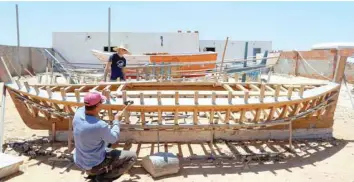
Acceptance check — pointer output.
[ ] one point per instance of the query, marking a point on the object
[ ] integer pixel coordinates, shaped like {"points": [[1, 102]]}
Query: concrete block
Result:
{"points": [[9, 164], [161, 164]]}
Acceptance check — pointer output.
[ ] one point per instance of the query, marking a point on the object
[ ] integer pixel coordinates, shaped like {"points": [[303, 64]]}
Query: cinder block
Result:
{"points": [[9, 164], [161, 164]]}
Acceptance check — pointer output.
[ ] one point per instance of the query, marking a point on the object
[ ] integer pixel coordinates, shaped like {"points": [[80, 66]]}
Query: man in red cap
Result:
{"points": [[92, 135]]}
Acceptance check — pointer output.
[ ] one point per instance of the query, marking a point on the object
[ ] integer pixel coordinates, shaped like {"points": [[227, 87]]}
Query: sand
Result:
{"points": [[314, 161]]}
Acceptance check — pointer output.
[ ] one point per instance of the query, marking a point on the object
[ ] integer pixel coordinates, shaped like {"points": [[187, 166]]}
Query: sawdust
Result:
{"points": [[313, 160]]}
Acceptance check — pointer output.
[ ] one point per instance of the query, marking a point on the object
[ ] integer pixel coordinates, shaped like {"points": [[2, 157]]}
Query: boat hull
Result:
{"points": [[227, 106]]}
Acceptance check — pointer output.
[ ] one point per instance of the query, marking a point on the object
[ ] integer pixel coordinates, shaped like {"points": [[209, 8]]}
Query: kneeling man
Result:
{"points": [[92, 135]]}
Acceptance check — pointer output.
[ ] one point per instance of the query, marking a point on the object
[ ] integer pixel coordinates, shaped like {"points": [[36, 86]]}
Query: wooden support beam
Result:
{"points": [[18, 83], [141, 98], [121, 87], [236, 77], [196, 95], [124, 96], [176, 117], [211, 118], [195, 117], [227, 87], [213, 98], [254, 87], [271, 113], [177, 98], [159, 98], [63, 93], [49, 91], [27, 86], [257, 116], [277, 90], [301, 92], [36, 89], [239, 86], [229, 97], [246, 96], [77, 95], [290, 92], [261, 94]]}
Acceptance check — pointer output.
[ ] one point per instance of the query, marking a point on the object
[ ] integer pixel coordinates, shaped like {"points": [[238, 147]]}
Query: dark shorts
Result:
{"points": [[116, 163]]}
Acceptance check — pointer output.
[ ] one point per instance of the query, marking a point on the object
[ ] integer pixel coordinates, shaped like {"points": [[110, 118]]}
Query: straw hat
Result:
{"points": [[121, 47]]}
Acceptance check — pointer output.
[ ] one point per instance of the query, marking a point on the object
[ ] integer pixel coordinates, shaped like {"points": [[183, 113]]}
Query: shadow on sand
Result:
{"points": [[221, 157]]}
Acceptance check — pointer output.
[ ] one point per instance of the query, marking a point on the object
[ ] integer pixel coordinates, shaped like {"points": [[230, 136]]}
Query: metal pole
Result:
{"points": [[18, 39], [245, 62], [2, 121], [109, 29]]}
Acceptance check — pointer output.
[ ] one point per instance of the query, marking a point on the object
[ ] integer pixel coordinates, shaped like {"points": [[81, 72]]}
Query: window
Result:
{"points": [[255, 52], [105, 48], [212, 49]]}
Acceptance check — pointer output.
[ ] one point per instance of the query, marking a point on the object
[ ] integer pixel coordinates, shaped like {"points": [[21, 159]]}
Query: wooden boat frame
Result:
{"points": [[214, 105]]}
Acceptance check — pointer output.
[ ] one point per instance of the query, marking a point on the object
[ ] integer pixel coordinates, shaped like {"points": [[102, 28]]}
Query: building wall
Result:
{"points": [[76, 46], [31, 59], [235, 49], [320, 60]]}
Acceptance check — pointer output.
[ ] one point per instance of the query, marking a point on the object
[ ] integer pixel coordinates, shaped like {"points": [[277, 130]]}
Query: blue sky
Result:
{"points": [[289, 25]]}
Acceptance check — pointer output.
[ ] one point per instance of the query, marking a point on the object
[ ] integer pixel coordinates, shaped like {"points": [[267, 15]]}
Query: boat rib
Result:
{"points": [[182, 105]]}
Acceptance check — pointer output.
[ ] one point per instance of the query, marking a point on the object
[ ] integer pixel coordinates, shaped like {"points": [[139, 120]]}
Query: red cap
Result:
{"points": [[93, 98]]}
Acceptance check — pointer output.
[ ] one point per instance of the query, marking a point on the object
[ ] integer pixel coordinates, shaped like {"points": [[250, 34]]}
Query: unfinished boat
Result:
{"points": [[206, 62], [212, 109]]}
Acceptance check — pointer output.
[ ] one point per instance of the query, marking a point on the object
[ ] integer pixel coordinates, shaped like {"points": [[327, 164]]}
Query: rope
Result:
{"points": [[304, 60], [322, 105]]}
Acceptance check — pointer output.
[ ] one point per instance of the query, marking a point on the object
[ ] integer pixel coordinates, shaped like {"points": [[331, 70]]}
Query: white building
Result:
{"points": [[235, 49], [76, 46]]}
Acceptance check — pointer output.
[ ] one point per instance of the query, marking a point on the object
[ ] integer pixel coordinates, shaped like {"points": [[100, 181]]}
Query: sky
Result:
{"points": [[289, 25]]}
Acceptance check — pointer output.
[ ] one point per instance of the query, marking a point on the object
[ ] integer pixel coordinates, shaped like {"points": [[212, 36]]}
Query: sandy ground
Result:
{"points": [[314, 160]]}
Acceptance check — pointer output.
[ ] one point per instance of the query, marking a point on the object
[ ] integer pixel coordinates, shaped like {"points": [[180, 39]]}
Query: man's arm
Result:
{"points": [[124, 65], [111, 135], [107, 68]]}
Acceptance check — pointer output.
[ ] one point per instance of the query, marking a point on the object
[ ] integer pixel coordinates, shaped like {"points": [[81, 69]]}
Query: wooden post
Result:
{"points": [[223, 55], [245, 61], [2, 121], [296, 58], [338, 77], [340, 68], [335, 65]]}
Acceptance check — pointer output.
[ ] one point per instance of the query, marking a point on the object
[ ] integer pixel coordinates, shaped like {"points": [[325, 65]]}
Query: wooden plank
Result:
{"points": [[77, 95], [246, 96], [176, 117], [229, 97], [284, 112], [240, 87], [227, 87], [121, 87], [213, 98], [269, 88], [277, 90], [63, 93], [236, 77], [257, 116], [211, 118], [261, 94], [301, 92], [195, 117], [254, 87], [271, 114], [27, 86], [196, 97], [36, 89], [290, 92], [177, 98]]}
